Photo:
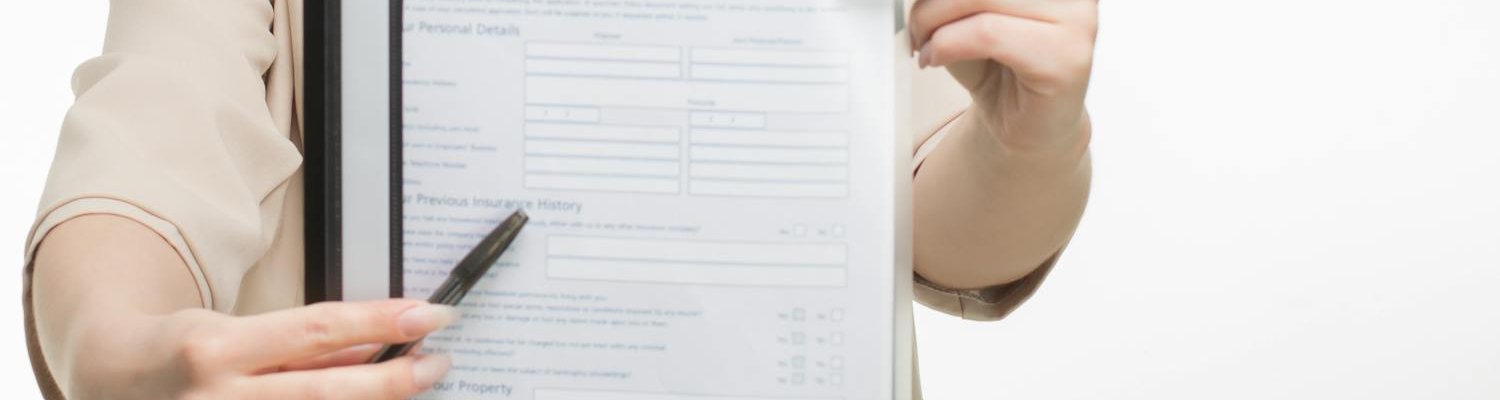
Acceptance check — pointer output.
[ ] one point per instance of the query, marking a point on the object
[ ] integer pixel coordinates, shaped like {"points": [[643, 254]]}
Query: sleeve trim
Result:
{"points": [[933, 137], [987, 304], [93, 205]]}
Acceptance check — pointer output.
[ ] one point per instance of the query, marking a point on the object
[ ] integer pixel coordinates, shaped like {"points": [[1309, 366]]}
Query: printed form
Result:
{"points": [[712, 187]]}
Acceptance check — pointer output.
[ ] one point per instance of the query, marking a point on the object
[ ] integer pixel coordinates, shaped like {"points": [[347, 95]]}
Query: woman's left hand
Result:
{"points": [[1025, 62]]}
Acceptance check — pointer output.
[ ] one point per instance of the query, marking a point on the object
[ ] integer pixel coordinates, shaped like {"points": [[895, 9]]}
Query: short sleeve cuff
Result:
{"points": [[108, 206], [987, 304]]}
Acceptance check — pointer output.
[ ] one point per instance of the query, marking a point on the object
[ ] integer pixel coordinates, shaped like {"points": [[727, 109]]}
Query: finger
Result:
{"points": [[396, 379], [1043, 55], [350, 356], [927, 16], [305, 332]]}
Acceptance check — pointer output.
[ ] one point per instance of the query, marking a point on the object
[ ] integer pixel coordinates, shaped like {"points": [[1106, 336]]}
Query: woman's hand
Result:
{"points": [[118, 317], [1004, 190], [313, 352], [1025, 62]]}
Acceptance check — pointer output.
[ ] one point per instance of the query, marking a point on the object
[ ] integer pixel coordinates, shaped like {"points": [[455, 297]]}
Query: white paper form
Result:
{"points": [[712, 185]]}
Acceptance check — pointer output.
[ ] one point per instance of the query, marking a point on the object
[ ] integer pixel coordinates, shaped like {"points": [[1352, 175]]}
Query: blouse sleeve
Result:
{"points": [[985, 304], [170, 127]]}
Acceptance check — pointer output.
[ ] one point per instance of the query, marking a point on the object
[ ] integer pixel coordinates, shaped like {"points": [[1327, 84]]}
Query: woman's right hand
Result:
{"points": [[118, 318], [312, 352]]}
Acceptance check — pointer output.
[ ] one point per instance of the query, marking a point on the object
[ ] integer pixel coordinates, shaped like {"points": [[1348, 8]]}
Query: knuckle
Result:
{"points": [[198, 343], [203, 350], [1085, 17], [991, 31], [319, 330]]}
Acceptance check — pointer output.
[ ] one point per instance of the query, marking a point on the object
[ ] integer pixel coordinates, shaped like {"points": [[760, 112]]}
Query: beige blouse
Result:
{"points": [[190, 123]]}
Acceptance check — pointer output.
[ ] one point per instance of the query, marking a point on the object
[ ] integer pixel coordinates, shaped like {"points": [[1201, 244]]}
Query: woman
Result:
{"points": [[166, 257]]}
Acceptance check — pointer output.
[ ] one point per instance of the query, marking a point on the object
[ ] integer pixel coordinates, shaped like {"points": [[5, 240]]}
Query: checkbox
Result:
{"points": [[836, 339]]}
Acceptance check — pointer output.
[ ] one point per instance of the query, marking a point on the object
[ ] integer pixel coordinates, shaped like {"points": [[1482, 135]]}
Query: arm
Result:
{"points": [[119, 317], [1004, 191], [986, 215], [171, 178], [96, 279]]}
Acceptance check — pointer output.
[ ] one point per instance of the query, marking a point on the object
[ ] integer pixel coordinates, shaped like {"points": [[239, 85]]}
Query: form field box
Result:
{"points": [[613, 69], [596, 166], [715, 119], [696, 274], [603, 149], [766, 172], [674, 94], [589, 51], [562, 114], [573, 394], [612, 133], [735, 188], [603, 183], [770, 138], [699, 251], [769, 155], [696, 262], [806, 58], [770, 74]]}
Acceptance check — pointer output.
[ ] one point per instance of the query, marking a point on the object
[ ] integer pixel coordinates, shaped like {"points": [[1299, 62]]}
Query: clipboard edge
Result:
{"points": [[397, 163], [322, 156]]}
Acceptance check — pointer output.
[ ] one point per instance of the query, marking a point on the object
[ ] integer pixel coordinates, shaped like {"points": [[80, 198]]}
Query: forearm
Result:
{"points": [[121, 318], [988, 214], [99, 276]]}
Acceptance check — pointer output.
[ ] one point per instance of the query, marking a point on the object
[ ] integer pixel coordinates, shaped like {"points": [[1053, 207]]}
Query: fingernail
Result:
{"points": [[424, 319], [924, 59], [911, 36], [429, 369]]}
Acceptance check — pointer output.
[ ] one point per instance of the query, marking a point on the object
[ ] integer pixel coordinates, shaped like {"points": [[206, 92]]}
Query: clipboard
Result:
{"points": [[353, 69], [354, 167]]}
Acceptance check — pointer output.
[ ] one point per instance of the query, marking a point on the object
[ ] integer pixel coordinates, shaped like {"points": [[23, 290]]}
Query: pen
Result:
{"points": [[465, 275]]}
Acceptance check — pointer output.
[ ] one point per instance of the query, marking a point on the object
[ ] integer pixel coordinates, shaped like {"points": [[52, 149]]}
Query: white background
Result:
{"points": [[1293, 199]]}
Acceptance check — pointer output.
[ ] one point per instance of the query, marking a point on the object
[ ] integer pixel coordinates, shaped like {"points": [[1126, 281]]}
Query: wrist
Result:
{"points": [[1059, 149]]}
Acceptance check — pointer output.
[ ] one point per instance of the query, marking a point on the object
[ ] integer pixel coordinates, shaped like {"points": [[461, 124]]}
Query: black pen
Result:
{"points": [[465, 275]]}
